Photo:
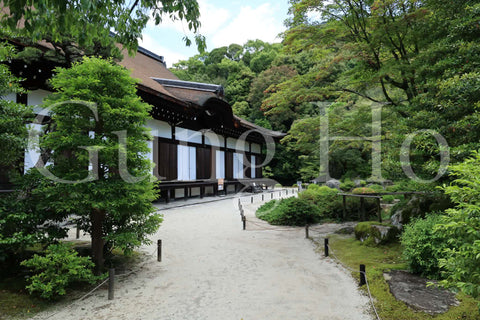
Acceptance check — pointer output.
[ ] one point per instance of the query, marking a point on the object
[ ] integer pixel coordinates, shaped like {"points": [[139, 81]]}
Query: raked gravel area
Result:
{"points": [[212, 269]]}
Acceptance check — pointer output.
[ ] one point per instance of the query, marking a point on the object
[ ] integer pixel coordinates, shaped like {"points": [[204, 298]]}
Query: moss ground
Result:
{"points": [[384, 258], [15, 302]]}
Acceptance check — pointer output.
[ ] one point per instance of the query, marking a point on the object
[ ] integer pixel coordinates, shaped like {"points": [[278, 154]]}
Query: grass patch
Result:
{"points": [[389, 257], [16, 303]]}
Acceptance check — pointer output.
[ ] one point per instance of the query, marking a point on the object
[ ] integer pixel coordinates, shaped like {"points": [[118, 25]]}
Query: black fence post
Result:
{"points": [[263, 198], [251, 201], [326, 247], [306, 231], [244, 220], [363, 279], [78, 231], [159, 250], [111, 283], [379, 210]]}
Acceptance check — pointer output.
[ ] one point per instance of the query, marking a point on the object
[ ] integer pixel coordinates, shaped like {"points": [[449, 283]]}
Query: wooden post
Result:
{"points": [[159, 250], [263, 198], [244, 220], [287, 192], [326, 247], [271, 195], [111, 283], [167, 196], [379, 210], [78, 231], [344, 207], [363, 280], [251, 201], [306, 232], [362, 209]]}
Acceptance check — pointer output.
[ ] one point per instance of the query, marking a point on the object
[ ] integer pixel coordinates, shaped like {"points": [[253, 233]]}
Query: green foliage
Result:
{"points": [[57, 270], [324, 198], [388, 198], [461, 226], [115, 207], [290, 212], [423, 246], [267, 207], [13, 131], [26, 219], [314, 187], [363, 190], [89, 23], [347, 185]]}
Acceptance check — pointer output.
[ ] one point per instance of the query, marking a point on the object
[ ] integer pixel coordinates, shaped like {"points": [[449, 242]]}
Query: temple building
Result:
{"points": [[200, 147]]}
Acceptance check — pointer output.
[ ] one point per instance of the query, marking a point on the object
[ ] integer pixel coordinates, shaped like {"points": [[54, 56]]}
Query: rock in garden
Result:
{"points": [[414, 291], [374, 233], [333, 183]]}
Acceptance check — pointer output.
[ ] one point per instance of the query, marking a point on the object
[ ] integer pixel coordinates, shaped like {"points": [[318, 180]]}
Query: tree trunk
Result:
{"points": [[97, 217]]}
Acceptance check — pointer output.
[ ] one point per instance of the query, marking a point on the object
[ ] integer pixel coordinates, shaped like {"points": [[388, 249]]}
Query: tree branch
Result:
{"points": [[133, 6], [364, 96]]}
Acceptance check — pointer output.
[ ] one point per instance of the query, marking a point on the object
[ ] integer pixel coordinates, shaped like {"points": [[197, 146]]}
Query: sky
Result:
{"points": [[222, 23]]}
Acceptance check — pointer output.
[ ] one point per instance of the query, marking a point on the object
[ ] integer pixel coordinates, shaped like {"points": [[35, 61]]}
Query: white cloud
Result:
{"points": [[171, 56], [250, 24], [211, 19]]}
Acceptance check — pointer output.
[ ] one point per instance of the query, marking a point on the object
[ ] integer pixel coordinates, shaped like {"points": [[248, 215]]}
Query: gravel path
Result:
{"points": [[212, 269]]}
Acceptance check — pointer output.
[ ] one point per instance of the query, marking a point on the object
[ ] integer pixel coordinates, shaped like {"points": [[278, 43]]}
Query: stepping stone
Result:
{"points": [[413, 290]]}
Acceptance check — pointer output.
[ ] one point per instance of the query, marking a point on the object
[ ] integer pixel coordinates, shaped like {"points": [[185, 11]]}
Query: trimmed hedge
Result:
{"points": [[289, 212]]}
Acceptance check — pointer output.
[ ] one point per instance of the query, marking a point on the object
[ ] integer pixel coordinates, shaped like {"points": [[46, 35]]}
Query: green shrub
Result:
{"points": [[347, 185], [363, 190], [295, 185], [423, 247], [461, 226], [313, 186], [290, 212], [60, 267], [324, 198], [268, 206], [377, 188], [388, 198]]}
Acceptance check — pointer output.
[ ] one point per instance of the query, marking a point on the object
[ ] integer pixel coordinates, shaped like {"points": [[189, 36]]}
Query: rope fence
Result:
{"points": [[110, 281], [265, 226], [362, 272]]}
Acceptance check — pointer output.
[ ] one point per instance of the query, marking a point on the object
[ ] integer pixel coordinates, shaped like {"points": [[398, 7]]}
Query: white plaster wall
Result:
{"points": [[179, 193], [195, 191], [160, 128], [187, 135], [35, 98], [256, 148], [241, 145], [32, 153], [213, 139], [9, 97]]}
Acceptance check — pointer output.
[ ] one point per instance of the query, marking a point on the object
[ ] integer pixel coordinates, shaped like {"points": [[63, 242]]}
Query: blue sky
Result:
{"points": [[223, 23]]}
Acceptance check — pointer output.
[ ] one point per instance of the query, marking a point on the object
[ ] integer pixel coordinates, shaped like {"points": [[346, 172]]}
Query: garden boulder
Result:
{"points": [[375, 233]]}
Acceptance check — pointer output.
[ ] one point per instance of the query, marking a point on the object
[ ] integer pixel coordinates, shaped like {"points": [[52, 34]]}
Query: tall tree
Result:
{"points": [[95, 110]]}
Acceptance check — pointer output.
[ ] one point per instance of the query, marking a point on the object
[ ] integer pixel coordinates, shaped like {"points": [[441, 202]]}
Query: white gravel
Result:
{"points": [[212, 269]]}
